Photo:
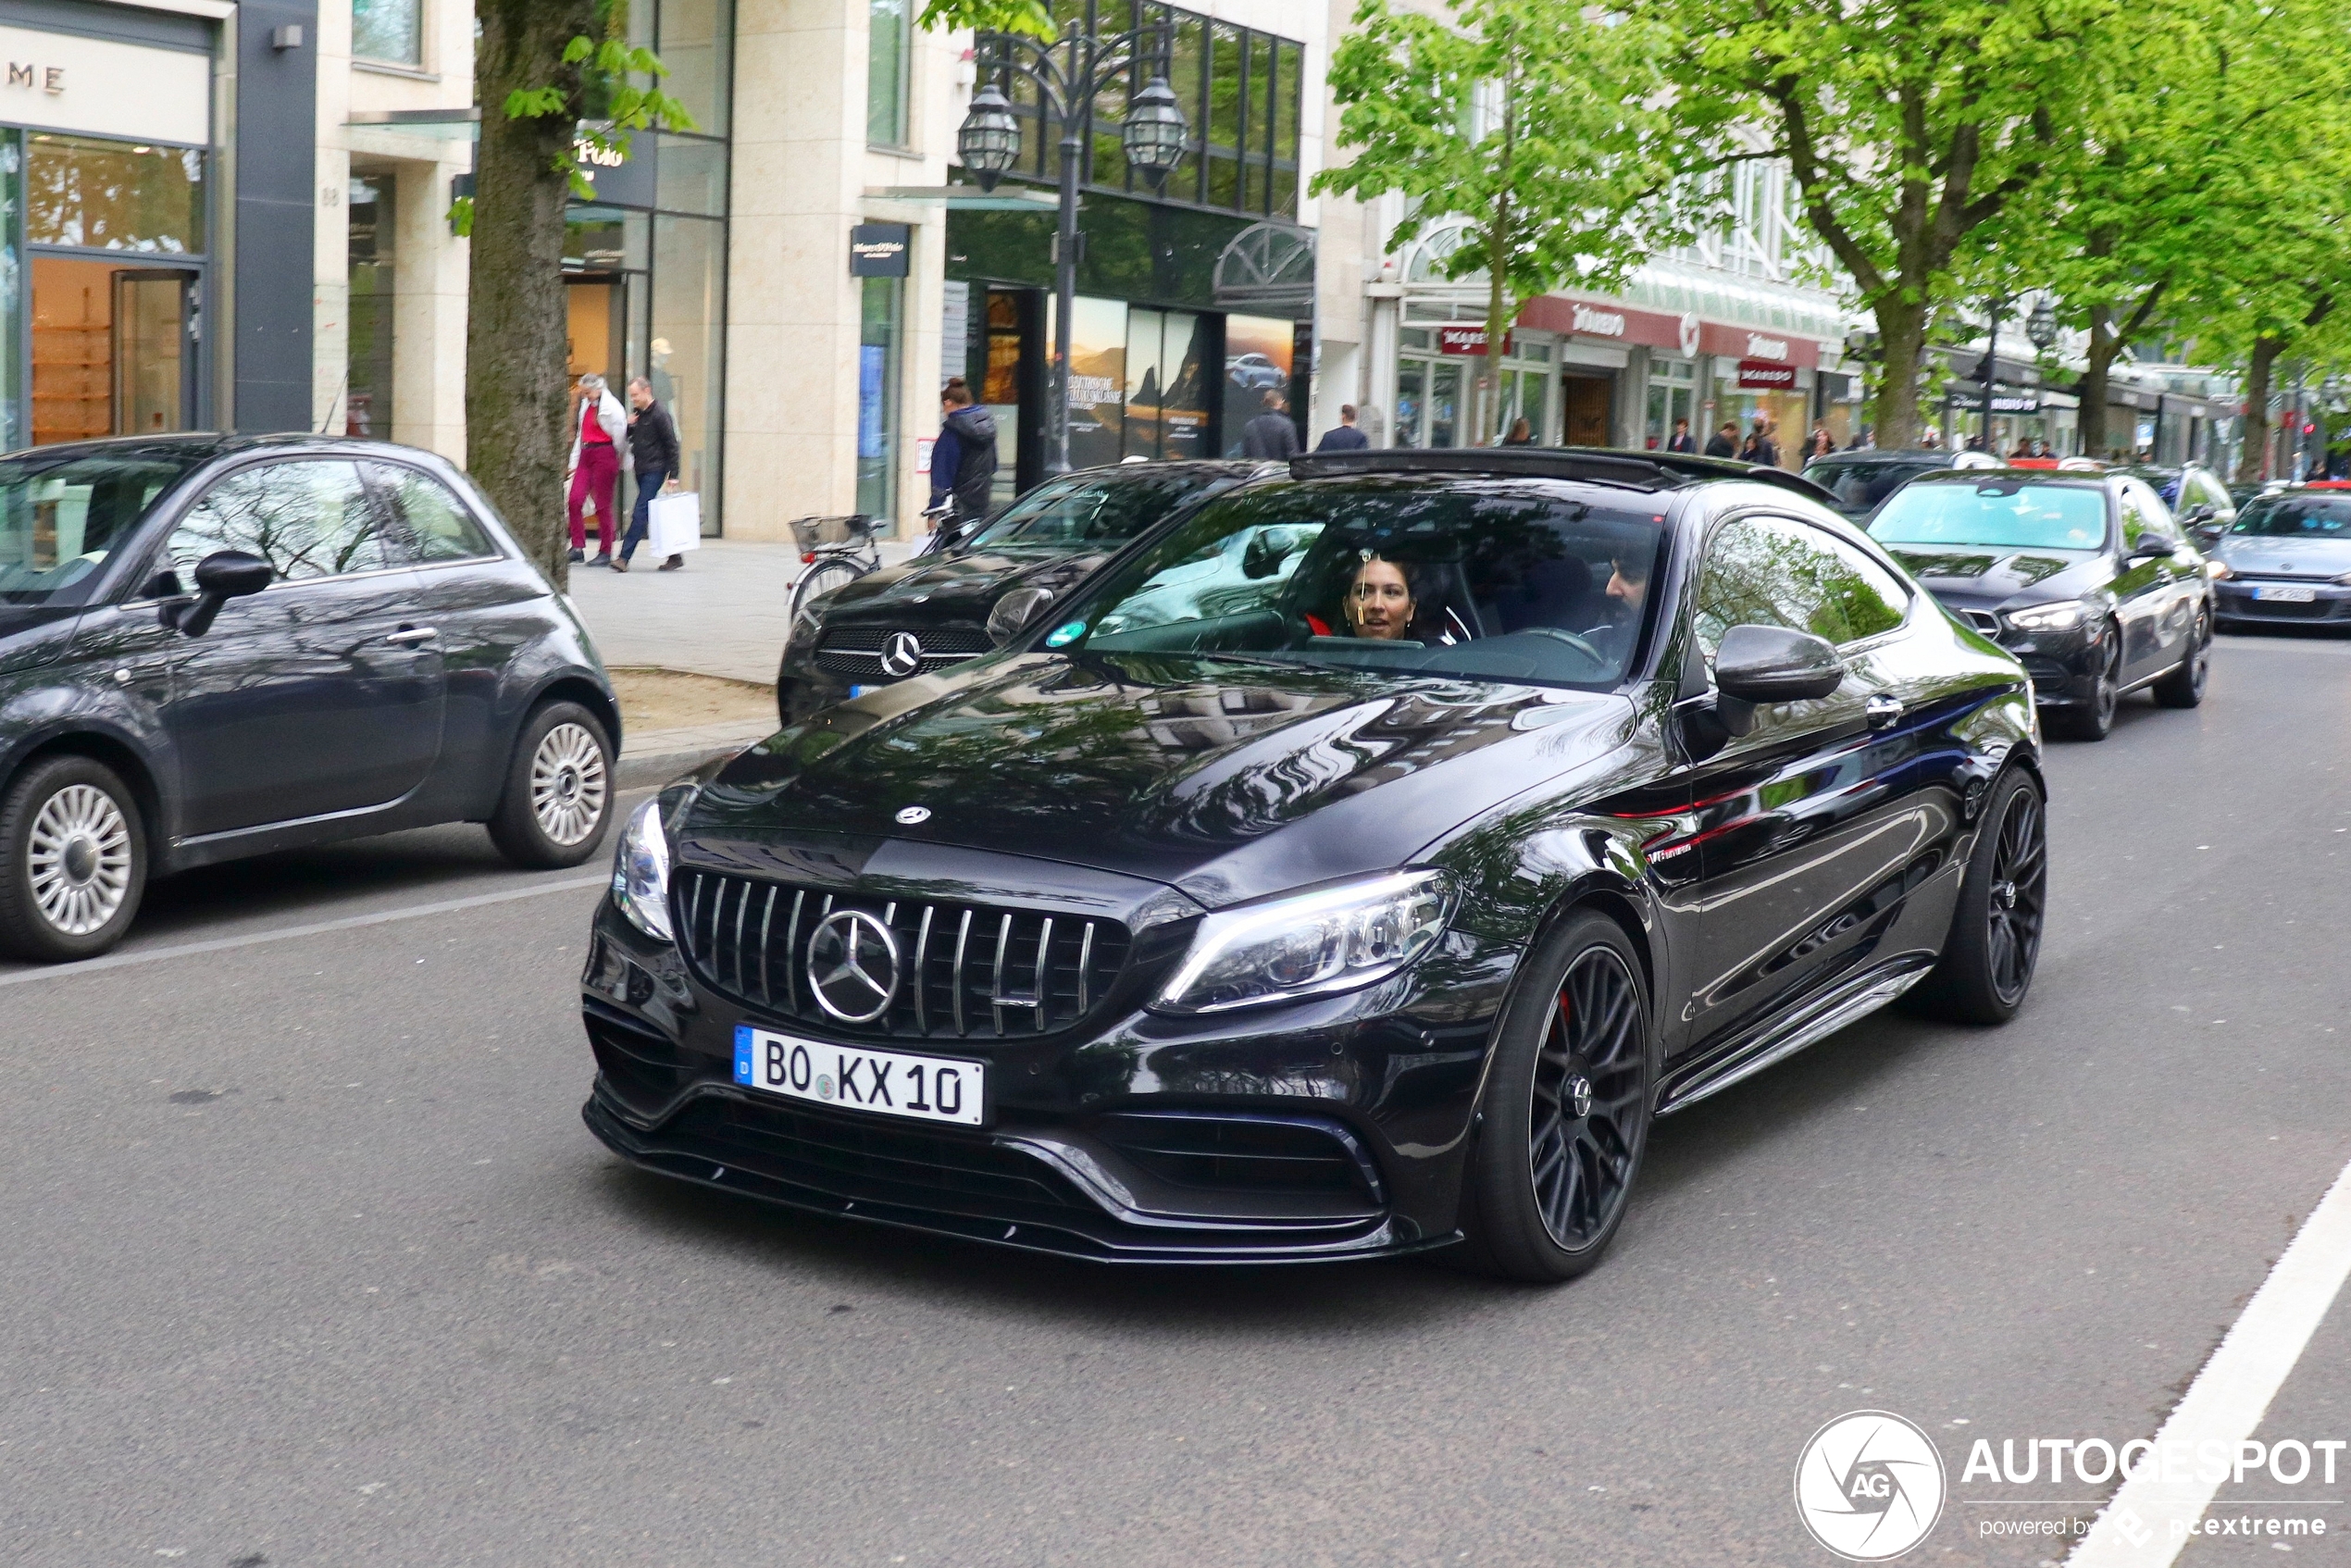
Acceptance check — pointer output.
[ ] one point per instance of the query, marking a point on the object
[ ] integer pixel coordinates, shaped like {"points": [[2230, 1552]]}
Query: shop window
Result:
{"points": [[113, 196], [890, 51], [878, 350], [367, 389], [685, 362], [1412, 401], [390, 31], [1166, 414], [694, 38], [691, 175]]}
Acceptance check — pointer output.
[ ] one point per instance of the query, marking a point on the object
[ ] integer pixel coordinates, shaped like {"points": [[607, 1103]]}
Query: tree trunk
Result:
{"points": [[1902, 329], [2253, 458], [2091, 387], [517, 332], [1498, 327]]}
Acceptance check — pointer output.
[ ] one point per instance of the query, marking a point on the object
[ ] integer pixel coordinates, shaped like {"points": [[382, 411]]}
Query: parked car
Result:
{"points": [[2084, 576], [2196, 495], [217, 646], [935, 611], [1255, 372], [1182, 931], [1861, 480], [2287, 560]]}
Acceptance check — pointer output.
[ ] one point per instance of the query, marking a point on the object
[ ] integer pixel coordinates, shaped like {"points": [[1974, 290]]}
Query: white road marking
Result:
{"points": [[2230, 1396], [288, 933]]}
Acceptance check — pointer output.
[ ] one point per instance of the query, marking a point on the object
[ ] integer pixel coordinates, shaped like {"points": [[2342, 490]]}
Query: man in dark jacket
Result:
{"points": [[1682, 441], [653, 457], [963, 460], [1343, 436], [1270, 435], [1726, 440]]}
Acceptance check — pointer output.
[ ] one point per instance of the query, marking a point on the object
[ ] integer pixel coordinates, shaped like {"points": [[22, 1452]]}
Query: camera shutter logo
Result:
{"points": [[852, 966], [902, 654], [1870, 1486]]}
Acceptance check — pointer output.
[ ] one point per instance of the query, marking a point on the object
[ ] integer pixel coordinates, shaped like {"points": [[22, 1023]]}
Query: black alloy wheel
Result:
{"points": [[2183, 687], [2093, 720], [1994, 943], [1566, 1112]]}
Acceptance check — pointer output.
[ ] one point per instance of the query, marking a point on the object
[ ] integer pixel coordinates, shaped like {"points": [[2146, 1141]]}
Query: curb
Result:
{"points": [[640, 773]]}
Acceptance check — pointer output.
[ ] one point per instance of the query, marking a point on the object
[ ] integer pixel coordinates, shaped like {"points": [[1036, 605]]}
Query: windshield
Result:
{"points": [[2297, 517], [60, 516], [1090, 510], [2001, 513], [1492, 580], [1858, 487]]}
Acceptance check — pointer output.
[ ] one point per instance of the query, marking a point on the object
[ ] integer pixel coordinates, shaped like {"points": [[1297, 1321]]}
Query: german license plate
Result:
{"points": [[2277, 595], [889, 1083]]}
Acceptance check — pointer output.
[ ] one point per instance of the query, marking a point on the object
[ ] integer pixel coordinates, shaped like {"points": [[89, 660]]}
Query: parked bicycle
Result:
{"points": [[834, 564]]}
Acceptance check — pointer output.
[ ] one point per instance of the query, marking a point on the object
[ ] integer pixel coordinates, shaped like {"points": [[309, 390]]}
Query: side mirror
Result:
{"points": [[1771, 663], [221, 576], [1014, 611], [2203, 514], [2151, 548], [1263, 555]]}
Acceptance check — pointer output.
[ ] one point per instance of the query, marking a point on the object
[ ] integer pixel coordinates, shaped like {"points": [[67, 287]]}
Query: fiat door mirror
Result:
{"points": [[221, 576], [2150, 548]]}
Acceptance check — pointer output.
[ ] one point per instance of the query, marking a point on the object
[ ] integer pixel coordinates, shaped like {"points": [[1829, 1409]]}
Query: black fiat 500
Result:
{"points": [[959, 602], [2084, 577], [1373, 904], [213, 647]]}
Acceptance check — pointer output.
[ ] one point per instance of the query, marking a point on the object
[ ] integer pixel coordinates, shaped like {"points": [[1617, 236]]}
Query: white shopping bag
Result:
{"points": [[673, 525]]}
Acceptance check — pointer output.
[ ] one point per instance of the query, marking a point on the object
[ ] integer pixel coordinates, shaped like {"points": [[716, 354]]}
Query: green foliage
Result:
{"points": [[1032, 17]]}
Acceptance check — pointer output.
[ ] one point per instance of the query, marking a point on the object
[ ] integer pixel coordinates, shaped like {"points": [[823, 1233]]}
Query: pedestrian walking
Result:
{"points": [[1343, 436], [1767, 445], [1726, 440], [1271, 434], [1521, 433], [963, 460], [652, 454], [1864, 442], [595, 466], [1821, 444], [1682, 441]]}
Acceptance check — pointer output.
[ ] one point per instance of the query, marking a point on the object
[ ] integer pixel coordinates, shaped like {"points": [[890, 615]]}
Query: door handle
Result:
{"points": [[409, 636], [1882, 710]]}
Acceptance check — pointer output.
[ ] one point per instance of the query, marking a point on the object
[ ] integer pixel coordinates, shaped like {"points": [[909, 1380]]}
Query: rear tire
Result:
{"points": [[559, 789], [2183, 687], [817, 581], [1565, 1116], [76, 861], [2093, 720], [1995, 941]]}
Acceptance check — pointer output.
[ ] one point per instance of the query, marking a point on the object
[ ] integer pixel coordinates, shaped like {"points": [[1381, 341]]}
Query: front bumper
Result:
{"points": [[2062, 666], [1315, 1132], [2237, 599]]}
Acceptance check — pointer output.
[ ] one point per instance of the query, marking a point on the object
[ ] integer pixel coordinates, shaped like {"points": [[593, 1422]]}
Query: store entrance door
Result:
{"points": [[113, 349], [1585, 409], [598, 329]]}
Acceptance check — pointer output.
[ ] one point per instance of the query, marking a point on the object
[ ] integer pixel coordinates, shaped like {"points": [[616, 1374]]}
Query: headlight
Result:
{"points": [[640, 872], [2343, 582], [2062, 616], [1310, 944], [2215, 570]]}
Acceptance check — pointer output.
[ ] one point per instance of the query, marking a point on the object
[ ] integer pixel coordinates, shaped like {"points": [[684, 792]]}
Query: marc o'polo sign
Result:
{"points": [[879, 250]]}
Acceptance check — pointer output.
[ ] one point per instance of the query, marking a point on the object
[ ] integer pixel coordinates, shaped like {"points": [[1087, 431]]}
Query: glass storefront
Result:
{"points": [[1433, 391], [367, 391], [1673, 399], [878, 397]]}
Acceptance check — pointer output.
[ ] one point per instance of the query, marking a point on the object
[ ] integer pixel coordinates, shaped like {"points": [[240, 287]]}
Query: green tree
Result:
{"points": [[1536, 124], [1907, 125]]}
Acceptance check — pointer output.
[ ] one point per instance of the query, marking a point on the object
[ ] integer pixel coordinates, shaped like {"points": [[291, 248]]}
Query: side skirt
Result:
{"points": [[1858, 997]]}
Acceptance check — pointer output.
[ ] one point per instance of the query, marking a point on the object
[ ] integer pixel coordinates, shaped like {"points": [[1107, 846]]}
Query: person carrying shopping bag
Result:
{"points": [[653, 453], [596, 465]]}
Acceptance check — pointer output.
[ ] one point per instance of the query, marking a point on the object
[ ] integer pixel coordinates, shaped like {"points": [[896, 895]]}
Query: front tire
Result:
{"points": [[2183, 687], [2093, 720], [559, 789], [1566, 1115], [1994, 943], [76, 861]]}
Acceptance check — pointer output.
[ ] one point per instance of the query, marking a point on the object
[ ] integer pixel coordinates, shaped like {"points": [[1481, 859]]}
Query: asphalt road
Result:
{"points": [[308, 1260]]}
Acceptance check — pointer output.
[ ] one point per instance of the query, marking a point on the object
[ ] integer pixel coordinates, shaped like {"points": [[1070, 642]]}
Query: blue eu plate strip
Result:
{"points": [[742, 1054]]}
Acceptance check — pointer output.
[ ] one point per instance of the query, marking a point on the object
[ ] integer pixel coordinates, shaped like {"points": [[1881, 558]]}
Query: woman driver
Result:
{"points": [[1379, 600]]}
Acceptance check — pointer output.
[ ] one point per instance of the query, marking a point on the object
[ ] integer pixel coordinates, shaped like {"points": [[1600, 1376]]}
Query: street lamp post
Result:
{"points": [[1153, 138], [2041, 328], [1997, 305]]}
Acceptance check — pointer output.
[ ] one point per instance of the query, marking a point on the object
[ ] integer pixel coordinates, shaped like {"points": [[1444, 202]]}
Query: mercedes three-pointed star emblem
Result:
{"points": [[901, 654], [852, 966]]}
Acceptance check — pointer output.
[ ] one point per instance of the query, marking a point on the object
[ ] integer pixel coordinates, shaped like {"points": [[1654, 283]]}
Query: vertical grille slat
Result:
{"points": [[737, 930]]}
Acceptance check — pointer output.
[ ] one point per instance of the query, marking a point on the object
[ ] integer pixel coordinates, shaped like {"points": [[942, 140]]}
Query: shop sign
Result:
{"points": [[1762, 375], [2024, 404], [64, 81], [878, 250], [1600, 323], [1759, 347], [1469, 340], [1687, 331]]}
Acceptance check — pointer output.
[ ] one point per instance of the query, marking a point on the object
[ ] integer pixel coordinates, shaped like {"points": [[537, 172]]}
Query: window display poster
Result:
{"points": [[1166, 402], [1097, 380], [1258, 352]]}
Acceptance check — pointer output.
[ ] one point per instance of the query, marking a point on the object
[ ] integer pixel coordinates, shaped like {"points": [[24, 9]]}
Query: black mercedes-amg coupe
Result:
{"points": [[1376, 902]]}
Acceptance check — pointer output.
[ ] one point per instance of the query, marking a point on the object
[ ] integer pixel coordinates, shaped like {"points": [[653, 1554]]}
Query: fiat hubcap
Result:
{"points": [[568, 785], [79, 857]]}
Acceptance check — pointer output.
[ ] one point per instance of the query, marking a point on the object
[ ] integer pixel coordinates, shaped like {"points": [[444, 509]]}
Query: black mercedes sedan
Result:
{"points": [[959, 602], [2084, 577], [1376, 910], [217, 646]]}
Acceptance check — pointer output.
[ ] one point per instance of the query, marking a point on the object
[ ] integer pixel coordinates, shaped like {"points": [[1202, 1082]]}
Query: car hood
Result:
{"points": [[1984, 577], [932, 588], [2286, 557], [1226, 781]]}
